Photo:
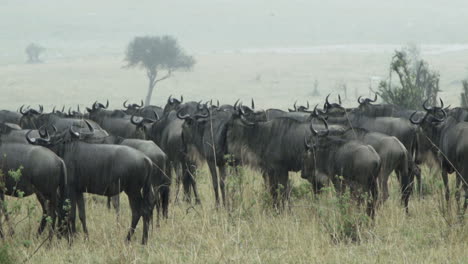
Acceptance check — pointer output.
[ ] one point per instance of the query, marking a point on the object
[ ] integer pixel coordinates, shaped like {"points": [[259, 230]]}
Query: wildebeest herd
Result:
{"points": [[137, 148]]}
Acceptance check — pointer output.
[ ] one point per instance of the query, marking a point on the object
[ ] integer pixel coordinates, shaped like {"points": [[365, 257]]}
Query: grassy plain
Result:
{"points": [[248, 232]]}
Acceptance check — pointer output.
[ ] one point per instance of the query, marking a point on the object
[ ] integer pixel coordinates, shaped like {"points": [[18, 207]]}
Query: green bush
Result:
{"points": [[417, 83]]}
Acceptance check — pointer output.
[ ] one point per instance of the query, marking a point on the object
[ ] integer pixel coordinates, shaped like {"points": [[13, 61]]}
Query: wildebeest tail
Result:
{"points": [[149, 196], [64, 199]]}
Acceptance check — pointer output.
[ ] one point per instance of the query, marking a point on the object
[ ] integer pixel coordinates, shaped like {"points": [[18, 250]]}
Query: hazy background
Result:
{"points": [[288, 43]]}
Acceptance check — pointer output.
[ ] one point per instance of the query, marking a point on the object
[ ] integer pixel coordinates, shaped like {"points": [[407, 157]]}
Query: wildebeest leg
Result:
{"points": [[82, 211], [406, 185], [193, 182], [372, 190], [214, 181], [446, 184], [135, 205], [52, 206], [222, 182], [43, 223], [116, 204]]}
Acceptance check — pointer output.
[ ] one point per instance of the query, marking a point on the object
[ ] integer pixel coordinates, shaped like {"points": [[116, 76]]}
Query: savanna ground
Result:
{"points": [[322, 230]]}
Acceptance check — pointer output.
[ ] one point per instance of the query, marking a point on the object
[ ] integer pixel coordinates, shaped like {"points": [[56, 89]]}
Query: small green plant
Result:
{"points": [[342, 217], [5, 255]]}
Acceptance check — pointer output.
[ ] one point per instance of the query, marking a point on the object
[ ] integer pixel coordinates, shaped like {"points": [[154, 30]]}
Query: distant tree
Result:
{"points": [[33, 51], [464, 94], [417, 82], [156, 54]]}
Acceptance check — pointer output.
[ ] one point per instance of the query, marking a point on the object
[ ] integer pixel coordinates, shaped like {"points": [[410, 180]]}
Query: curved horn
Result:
{"points": [[442, 118], [375, 98], [314, 132], [53, 109], [43, 132], [41, 109], [141, 103], [425, 107], [441, 103], [135, 122], [107, 104], [30, 140], [359, 100], [307, 108], [181, 98], [339, 99], [69, 111], [326, 100], [217, 103], [325, 123], [413, 121], [125, 104], [235, 104], [156, 115], [170, 100], [253, 104], [63, 109], [78, 108], [183, 117], [90, 127], [295, 107], [21, 110], [74, 133]]}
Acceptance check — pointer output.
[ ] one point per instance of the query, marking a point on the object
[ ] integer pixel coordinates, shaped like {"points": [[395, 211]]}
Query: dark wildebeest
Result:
{"points": [[117, 122], [357, 163], [274, 147], [143, 111], [43, 173], [393, 155], [167, 134], [450, 138], [160, 176], [104, 170], [205, 133]]}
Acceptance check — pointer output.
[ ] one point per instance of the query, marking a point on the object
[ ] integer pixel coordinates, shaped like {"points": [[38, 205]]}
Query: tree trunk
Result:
{"points": [[152, 82], [150, 93]]}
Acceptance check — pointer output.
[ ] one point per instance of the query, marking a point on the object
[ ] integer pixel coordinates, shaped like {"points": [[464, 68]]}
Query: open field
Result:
{"points": [[249, 232], [282, 78]]}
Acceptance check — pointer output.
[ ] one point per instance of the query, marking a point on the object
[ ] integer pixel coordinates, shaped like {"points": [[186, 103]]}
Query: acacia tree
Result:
{"points": [[417, 82], [157, 54], [33, 51]]}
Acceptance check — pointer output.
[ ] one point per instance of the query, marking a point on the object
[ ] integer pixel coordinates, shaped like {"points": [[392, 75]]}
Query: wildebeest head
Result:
{"points": [[300, 108], [312, 144], [30, 116], [333, 107], [432, 120], [173, 104], [144, 124], [132, 108], [97, 106]]}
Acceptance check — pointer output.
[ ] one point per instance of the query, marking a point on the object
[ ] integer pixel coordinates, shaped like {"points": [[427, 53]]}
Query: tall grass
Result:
{"points": [[326, 229]]}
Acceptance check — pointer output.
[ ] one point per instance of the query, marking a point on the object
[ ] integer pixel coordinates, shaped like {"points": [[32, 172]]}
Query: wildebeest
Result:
{"points": [[275, 147], [357, 163], [117, 122], [393, 155], [43, 173], [451, 140], [167, 134], [143, 111], [104, 170]]}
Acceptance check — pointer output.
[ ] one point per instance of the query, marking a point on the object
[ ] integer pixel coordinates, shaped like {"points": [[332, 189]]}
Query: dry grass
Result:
{"points": [[252, 233]]}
